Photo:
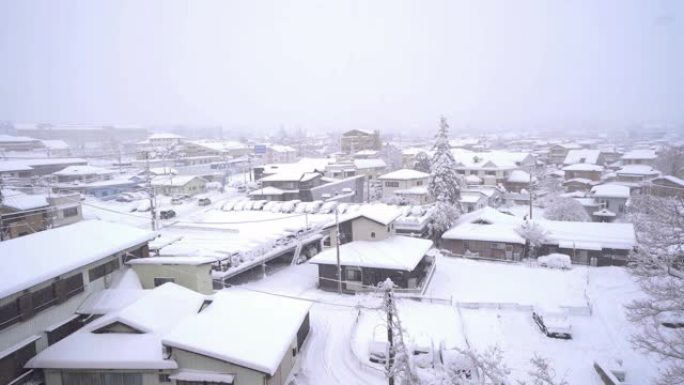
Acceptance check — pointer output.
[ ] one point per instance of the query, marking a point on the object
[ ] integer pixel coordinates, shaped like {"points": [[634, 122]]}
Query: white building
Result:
{"points": [[49, 276], [407, 184]]}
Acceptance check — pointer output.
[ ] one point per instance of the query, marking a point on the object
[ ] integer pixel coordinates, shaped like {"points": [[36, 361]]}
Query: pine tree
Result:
{"points": [[422, 163]]}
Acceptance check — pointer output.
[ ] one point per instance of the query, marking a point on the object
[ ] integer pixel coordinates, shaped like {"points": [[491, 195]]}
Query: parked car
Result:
{"points": [[176, 201], [204, 202], [555, 261], [167, 214], [423, 352], [553, 322], [671, 319], [242, 188], [379, 346]]}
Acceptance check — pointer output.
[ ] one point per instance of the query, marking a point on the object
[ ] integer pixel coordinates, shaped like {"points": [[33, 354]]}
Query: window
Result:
{"points": [[12, 365], [391, 184], [44, 298], [372, 234], [353, 274], [158, 281], [101, 378], [102, 270], [65, 329], [490, 172], [9, 314], [164, 377], [70, 212], [419, 183]]}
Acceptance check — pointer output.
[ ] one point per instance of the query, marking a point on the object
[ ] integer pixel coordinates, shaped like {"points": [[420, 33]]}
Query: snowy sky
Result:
{"points": [[387, 64]]}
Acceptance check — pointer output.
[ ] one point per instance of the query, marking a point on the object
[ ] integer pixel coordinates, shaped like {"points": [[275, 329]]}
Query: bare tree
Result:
{"points": [[542, 372], [670, 160], [659, 223]]}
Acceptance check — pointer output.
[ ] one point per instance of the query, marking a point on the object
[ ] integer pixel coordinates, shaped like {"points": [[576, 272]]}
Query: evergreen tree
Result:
{"points": [[422, 163], [445, 183]]}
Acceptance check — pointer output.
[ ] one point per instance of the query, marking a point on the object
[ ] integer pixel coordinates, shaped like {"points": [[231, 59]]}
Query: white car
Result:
{"points": [[379, 346], [422, 350], [553, 322], [555, 261]]}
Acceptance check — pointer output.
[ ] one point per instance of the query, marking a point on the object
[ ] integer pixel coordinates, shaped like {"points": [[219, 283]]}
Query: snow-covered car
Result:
{"points": [[167, 214], [422, 351], [327, 207], [268, 206], [313, 207], [671, 319], [289, 206], [301, 207], [555, 261], [459, 363], [228, 206], [204, 202], [258, 205], [242, 188], [553, 322], [378, 349], [176, 201]]}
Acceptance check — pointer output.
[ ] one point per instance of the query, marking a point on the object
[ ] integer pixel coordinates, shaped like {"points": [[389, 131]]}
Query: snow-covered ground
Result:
{"points": [[336, 351]]}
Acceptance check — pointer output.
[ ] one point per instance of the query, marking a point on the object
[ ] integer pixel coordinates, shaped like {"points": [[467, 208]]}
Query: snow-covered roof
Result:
{"points": [[489, 225], [194, 260], [519, 176], [582, 156], [640, 154], [583, 167], [395, 253], [610, 191], [672, 179], [489, 160], [638, 169], [281, 148], [269, 190], [83, 170], [569, 146], [29, 164], [165, 136], [415, 190], [303, 165], [366, 153], [291, 176], [154, 315], [16, 139], [177, 180], [17, 200], [47, 254], [583, 181], [473, 179], [220, 145], [404, 174], [162, 171], [369, 163], [471, 196], [381, 213], [55, 144], [203, 377], [256, 329]]}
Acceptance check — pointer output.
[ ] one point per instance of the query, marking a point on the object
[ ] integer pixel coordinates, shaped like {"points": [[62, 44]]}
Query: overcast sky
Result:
{"points": [[343, 64]]}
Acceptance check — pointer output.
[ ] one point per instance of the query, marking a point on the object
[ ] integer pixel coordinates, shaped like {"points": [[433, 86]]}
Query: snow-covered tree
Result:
{"points": [[566, 209], [400, 368], [534, 235], [445, 184], [422, 162], [670, 160], [659, 265], [542, 372], [392, 156]]}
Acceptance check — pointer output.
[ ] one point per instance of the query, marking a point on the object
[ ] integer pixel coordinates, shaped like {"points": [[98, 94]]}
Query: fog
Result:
{"points": [[321, 65]]}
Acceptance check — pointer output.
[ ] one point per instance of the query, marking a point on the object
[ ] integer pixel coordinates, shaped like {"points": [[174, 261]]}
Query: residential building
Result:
{"points": [[220, 148], [193, 273], [366, 263], [369, 223], [357, 140], [65, 209], [636, 173], [56, 148], [309, 186], [51, 274], [409, 185], [472, 200], [490, 234], [611, 197], [82, 174], [579, 184], [558, 152], [666, 186], [588, 171], [277, 153], [82, 136], [179, 185], [24, 170], [640, 157], [19, 143], [494, 167], [519, 180], [584, 156], [22, 214]]}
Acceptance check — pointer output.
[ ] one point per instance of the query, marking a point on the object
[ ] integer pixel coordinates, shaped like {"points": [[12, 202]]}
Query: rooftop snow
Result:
{"points": [[396, 253], [269, 190], [18, 139], [55, 144], [17, 200], [674, 180], [291, 176], [28, 164], [369, 163], [166, 136], [405, 174], [156, 313], [640, 154], [256, 330], [519, 176], [37, 257], [583, 167], [281, 148], [493, 159], [82, 170], [610, 191], [582, 156], [171, 261], [639, 169], [176, 180]]}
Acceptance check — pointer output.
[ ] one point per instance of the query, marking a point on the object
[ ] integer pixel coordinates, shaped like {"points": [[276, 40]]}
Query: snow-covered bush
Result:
{"points": [[566, 209]]}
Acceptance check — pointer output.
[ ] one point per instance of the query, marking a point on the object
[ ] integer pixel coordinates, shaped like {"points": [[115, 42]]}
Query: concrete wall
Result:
{"points": [[193, 277]]}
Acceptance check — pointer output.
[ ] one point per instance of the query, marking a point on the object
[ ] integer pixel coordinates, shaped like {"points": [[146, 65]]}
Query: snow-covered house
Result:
{"points": [[493, 167], [372, 168], [368, 223], [558, 152], [576, 156], [519, 180], [56, 147], [489, 234], [357, 140], [636, 173], [666, 186], [579, 184], [240, 337], [122, 346], [19, 143], [583, 171], [408, 184], [171, 185], [82, 174], [193, 272], [277, 153], [472, 200], [50, 274], [366, 263], [611, 197], [639, 157], [165, 139], [22, 214]]}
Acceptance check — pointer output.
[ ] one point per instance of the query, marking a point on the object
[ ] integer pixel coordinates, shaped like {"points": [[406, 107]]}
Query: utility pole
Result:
{"points": [[150, 191], [390, 335], [337, 249], [529, 187], [2, 224]]}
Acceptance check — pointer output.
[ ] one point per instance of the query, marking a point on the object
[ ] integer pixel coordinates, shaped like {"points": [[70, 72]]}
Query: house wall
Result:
{"points": [[604, 257], [389, 190], [485, 249], [616, 205], [370, 277], [591, 175], [194, 277], [149, 377], [364, 229], [194, 361], [23, 224], [664, 188], [55, 314]]}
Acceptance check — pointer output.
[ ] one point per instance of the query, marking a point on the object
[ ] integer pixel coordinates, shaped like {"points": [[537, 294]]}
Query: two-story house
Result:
{"points": [[408, 184], [47, 275]]}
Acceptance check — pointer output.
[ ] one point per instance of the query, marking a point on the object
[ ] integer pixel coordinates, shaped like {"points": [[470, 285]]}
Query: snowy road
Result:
{"points": [[327, 357]]}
